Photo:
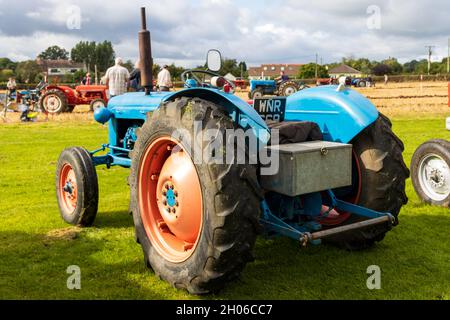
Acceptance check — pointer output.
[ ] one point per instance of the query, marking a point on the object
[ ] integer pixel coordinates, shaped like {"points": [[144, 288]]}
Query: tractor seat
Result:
{"points": [[296, 131]]}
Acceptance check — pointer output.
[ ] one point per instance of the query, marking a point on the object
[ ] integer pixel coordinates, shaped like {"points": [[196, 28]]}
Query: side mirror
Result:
{"points": [[214, 60]]}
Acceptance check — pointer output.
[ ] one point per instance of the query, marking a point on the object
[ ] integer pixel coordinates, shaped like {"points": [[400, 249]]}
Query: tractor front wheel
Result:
{"points": [[196, 221], [430, 171], [97, 103], [77, 187], [256, 94]]}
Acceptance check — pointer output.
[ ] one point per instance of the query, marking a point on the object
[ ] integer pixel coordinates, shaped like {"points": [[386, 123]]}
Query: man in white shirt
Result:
{"points": [[164, 79], [117, 79]]}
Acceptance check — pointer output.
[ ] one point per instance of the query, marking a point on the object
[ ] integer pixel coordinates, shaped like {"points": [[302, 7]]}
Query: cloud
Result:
{"points": [[254, 31]]}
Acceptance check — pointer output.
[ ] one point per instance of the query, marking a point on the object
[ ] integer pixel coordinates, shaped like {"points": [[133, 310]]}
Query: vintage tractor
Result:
{"points": [[260, 88], [207, 173], [58, 99]]}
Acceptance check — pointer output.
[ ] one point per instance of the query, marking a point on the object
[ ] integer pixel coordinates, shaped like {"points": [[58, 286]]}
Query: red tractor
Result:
{"points": [[57, 99]]}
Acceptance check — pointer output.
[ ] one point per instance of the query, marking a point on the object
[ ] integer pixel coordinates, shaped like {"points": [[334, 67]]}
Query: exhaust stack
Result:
{"points": [[145, 54]]}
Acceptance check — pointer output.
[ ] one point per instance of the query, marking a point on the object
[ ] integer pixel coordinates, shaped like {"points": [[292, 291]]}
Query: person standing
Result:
{"points": [[135, 77], [11, 85], [164, 79], [386, 79], [117, 78], [87, 80]]}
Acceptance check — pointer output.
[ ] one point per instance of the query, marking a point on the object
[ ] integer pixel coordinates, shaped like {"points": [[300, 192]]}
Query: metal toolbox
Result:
{"points": [[310, 167]]}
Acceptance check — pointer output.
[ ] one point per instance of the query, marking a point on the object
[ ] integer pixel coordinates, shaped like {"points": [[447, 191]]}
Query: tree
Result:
{"points": [[175, 71], [129, 65], [104, 56], [54, 53], [28, 71], [5, 74], [411, 66], [308, 71], [91, 54], [6, 63], [155, 70], [394, 66], [381, 69]]}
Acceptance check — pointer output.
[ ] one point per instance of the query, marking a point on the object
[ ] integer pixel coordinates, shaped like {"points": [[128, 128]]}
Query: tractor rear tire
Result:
{"points": [[434, 154], [57, 104], [229, 193], [288, 88], [77, 187], [255, 94], [382, 178]]}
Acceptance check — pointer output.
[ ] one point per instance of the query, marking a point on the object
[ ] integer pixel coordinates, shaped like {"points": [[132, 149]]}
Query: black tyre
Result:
{"points": [[77, 187], [430, 172], [288, 88], [53, 102], [382, 176], [97, 103], [229, 193], [257, 93], [362, 84]]}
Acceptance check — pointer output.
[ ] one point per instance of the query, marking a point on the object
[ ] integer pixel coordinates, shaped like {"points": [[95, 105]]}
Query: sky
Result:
{"points": [[289, 31]]}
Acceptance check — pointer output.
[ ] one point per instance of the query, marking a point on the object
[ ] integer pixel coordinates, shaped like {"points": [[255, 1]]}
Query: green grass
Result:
{"points": [[414, 257]]}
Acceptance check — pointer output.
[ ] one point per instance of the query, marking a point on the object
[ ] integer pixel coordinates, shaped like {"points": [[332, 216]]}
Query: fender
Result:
{"points": [[239, 110], [341, 115]]}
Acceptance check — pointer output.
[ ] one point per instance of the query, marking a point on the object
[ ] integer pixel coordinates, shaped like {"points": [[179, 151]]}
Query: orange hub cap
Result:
{"points": [[68, 188], [170, 199]]}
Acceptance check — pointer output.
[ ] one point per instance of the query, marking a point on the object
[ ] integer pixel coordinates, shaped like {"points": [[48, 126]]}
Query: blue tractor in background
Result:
{"points": [[283, 88], [329, 169]]}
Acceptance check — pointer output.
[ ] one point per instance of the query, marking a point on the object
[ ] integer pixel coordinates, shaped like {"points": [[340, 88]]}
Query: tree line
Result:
{"points": [[389, 66], [101, 55]]}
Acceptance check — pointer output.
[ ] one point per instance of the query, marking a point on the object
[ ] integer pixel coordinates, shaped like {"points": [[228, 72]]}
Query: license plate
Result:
{"points": [[271, 109]]}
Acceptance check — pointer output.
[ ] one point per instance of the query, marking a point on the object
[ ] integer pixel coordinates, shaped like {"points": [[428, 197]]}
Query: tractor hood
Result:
{"points": [[341, 114], [136, 105]]}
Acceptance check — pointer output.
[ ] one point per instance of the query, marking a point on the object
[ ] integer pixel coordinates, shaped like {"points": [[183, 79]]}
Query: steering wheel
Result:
{"points": [[207, 72]]}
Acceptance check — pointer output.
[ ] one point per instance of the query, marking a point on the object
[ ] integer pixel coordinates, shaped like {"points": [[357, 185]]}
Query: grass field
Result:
{"points": [[36, 246]]}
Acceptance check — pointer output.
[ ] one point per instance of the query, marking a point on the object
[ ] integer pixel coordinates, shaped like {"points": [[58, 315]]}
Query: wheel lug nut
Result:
{"points": [[172, 187], [165, 202], [174, 210], [177, 204]]}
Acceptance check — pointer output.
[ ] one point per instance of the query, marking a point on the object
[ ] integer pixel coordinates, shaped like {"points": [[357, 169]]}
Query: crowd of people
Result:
{"points": [[119, 80]]}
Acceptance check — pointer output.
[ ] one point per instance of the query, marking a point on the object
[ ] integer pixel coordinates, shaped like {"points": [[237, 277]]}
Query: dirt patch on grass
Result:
{"points": [[65, 234]]}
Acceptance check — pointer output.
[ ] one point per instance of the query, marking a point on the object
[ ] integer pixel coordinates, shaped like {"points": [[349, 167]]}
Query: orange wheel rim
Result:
{"points": [[68, 188], [170, 199]]}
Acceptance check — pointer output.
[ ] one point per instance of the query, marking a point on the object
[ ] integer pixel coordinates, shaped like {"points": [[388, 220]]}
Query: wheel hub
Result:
{"points": [[434, 177], [68, 187], [170, 199]]}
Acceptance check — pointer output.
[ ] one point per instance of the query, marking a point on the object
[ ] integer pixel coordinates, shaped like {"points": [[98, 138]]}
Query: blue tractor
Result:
{"points": [[329, 169], [283, 88]]}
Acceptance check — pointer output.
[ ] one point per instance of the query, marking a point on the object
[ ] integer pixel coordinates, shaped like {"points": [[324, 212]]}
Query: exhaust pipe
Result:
{"points": [[145, 54]]}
